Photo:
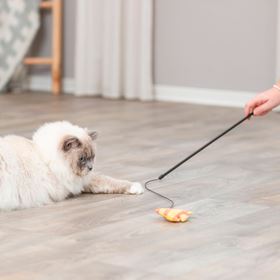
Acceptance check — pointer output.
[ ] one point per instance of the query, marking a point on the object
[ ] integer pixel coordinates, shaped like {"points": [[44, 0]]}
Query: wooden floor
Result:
{"points": [[233, 189]]}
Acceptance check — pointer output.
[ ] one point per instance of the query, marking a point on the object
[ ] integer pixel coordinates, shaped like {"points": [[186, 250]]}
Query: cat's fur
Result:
{"points": [[56, 163]]}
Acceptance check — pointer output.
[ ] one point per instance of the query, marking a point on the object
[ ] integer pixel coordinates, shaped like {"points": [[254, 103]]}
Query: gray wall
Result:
{"points": [[42, 44], [218, 44]]}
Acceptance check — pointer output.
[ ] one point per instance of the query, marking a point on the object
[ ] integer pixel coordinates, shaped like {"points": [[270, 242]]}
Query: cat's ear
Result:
{"points": [[71, 143], [93, 135]]}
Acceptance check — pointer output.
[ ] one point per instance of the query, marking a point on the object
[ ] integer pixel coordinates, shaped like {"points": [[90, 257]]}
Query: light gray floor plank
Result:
{"points": [[233, 189]]}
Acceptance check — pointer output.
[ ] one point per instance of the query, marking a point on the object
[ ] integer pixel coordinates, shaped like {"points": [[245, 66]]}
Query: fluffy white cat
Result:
{"points": [[56, 163]]}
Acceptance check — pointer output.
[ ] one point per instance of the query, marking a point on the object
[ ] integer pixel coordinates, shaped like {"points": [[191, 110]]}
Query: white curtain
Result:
{"points": [[113, 48]]}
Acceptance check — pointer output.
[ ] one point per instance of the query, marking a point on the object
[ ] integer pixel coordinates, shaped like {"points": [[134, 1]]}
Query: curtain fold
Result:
{"points": [[113, 48]]}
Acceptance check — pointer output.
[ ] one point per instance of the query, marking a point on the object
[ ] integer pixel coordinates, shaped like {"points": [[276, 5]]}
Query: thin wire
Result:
{"points": [[158, 194]]}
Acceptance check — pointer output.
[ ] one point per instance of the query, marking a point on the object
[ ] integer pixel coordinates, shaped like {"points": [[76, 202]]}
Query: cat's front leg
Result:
{"points": [[105, 184]]}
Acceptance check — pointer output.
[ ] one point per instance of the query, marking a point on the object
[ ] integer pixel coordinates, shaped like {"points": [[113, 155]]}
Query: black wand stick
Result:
{"points": [[192, 155]]}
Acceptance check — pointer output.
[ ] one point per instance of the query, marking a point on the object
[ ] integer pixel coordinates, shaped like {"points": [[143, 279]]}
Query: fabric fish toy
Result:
{"points": [[174, 215]]}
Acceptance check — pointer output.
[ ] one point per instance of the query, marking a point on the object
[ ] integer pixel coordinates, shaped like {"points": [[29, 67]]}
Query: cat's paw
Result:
{"points": [[136, 188]]}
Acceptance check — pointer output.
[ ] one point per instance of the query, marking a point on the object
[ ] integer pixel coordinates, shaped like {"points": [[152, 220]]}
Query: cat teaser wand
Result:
{"points": [[178, 215]]}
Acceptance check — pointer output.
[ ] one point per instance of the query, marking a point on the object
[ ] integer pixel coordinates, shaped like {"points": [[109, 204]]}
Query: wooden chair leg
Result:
{"points": [[56, 47], [55, 60]]}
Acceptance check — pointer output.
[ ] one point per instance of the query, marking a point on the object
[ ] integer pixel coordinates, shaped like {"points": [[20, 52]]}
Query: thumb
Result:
{"points": [[263, 109]]}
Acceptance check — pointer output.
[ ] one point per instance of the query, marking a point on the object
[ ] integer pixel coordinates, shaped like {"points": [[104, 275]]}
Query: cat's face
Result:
{"points": [[79, 153]]}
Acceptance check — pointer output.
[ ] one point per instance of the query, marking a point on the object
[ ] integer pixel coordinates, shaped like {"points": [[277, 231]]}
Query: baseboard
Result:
{"points": [[44, 83], [215, 97]]}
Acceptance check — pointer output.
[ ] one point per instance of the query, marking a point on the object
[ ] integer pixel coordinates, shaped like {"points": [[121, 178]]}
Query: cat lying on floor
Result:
{"points": [[56, 163]]}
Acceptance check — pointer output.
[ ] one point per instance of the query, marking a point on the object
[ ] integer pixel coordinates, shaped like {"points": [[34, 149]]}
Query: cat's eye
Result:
{"points": [[82, 158]]}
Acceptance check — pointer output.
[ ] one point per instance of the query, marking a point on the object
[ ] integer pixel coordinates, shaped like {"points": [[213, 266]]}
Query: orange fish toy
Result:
{"points": [[174, 215]]}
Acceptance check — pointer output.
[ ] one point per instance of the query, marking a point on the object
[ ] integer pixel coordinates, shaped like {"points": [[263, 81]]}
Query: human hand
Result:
{"points": [[263, 103]]}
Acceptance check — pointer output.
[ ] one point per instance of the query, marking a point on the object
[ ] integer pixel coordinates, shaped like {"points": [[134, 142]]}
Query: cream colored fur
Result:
{"points": [[36, 172]]}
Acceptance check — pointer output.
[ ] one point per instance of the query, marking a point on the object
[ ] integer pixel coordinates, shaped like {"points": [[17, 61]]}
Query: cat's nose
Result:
{"points": [[89, 166]]}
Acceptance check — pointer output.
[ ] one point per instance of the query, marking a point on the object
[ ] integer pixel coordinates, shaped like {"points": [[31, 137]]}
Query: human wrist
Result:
{"points": [[276, 86], [276, 93]]}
